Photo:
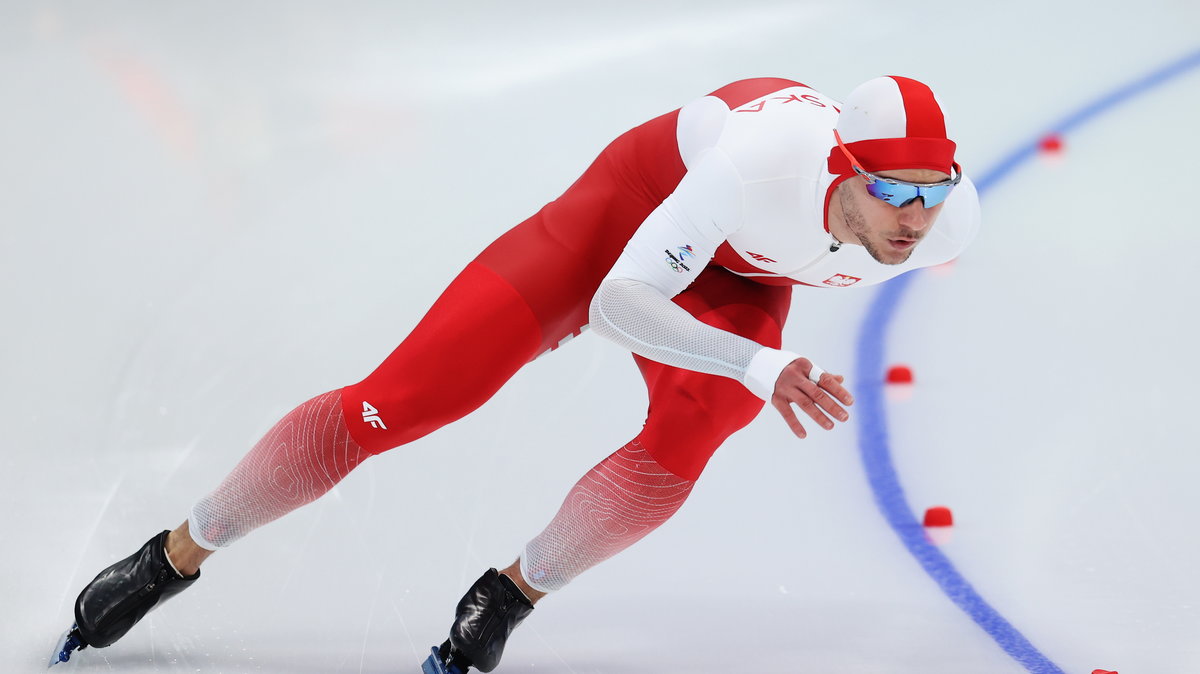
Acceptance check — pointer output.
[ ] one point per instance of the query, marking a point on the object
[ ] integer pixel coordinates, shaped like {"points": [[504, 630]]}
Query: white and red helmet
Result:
{"points": [[891, 123]]}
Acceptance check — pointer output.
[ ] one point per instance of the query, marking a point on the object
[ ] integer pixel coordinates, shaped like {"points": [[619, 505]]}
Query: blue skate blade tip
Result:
{"points": [[61, 652], [433, 663]]}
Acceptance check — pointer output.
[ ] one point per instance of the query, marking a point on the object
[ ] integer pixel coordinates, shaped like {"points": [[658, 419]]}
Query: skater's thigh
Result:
{"points": [[522, 296], [691, 413], [557, 258], [525, 294], [474, 338]]}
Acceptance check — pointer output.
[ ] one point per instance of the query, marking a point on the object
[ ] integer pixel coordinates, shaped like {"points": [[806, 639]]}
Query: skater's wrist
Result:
{"points": [[764, 369]]}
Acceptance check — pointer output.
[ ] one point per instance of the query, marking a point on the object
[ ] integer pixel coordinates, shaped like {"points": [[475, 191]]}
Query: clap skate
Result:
{"points": [[120, 596], [486, 615]]}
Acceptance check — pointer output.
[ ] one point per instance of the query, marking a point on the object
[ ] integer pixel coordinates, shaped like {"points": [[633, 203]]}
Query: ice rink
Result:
{"points": [[211, 212]]}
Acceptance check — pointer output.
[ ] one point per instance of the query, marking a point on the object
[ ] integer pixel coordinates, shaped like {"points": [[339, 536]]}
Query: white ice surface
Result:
{"points": [[210, 212]]}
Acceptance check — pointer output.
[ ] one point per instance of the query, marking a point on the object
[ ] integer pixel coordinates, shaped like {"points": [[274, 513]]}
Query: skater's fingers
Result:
{"points": [[833, 384], [796, 386], [784, 407], [802, 371], [811, 400], [826, 402]]}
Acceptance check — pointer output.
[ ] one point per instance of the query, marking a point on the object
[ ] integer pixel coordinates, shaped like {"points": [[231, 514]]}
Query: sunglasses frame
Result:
{"points": [[921, 188]]}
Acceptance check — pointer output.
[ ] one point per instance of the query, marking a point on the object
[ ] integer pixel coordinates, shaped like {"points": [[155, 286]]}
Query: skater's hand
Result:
{"points": [[817, 400]]}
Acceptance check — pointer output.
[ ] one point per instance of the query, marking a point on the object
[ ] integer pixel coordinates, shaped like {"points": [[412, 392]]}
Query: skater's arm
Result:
{"points": [[668, 334], [633, 305]]}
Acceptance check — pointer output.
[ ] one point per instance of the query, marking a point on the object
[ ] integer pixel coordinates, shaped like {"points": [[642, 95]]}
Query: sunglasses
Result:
{"points": [[901, 192]]}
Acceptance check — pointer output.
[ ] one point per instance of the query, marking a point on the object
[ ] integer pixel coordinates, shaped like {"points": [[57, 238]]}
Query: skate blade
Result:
{"points": [[62, 652], [434, 665]]}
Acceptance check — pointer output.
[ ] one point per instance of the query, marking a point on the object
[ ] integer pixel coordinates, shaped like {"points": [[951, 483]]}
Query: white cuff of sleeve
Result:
{"points": [[194, 532], [764, 370]]}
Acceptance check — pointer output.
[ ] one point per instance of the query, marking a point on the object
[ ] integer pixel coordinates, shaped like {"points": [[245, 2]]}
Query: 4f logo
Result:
{"points": [[675, 260], [758, 257], [371, 416]]}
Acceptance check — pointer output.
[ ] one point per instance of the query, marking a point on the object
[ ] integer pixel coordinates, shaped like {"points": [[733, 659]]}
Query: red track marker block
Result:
{"points": [[1051, 144], [899, 374], [1102, 671], [939, 516]]}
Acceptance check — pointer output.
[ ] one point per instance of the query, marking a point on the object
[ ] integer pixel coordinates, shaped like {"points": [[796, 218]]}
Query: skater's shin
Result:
{"points": [[614, 505], [302, 457]]}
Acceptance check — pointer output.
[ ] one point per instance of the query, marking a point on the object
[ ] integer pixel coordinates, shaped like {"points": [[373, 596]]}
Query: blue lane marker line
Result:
{"points": [[873, 442], [1099, 106]]}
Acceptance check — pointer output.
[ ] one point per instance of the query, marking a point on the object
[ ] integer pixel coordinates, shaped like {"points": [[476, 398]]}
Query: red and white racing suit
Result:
{"points": [[682, 242]]}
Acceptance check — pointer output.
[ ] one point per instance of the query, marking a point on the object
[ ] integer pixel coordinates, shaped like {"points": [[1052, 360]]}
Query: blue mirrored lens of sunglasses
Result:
{"points": [[900, 192]]}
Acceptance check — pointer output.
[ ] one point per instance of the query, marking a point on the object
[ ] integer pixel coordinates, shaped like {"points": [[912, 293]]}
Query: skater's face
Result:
{"points": [[889, 233]]}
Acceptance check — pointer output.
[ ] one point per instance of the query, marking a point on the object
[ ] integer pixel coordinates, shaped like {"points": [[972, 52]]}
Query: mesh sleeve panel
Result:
{"points": [[613, 506], [643, 320], [303, 456]]}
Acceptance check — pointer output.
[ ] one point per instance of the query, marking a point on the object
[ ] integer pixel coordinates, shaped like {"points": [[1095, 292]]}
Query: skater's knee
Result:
{"points": [[381, 417], [685, 427]]}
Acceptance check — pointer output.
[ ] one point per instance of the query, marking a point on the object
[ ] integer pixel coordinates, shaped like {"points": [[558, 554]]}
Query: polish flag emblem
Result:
{"points": [[841, 280]]}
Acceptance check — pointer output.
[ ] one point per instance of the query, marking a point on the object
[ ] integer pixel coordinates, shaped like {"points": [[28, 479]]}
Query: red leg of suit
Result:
{"points": [[524, 294], [692, 413]]}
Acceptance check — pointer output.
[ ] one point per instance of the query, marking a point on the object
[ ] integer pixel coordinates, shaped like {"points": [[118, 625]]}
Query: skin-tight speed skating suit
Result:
{"points": [[682, 242]]}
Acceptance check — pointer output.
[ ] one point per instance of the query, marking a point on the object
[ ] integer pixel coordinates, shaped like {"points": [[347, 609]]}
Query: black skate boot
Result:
{"points": [[486, 615], [121, 596]]}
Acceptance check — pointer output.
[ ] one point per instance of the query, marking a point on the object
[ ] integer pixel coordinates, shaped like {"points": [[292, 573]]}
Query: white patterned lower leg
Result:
{"points": [[614, 505], [300, 458]]}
